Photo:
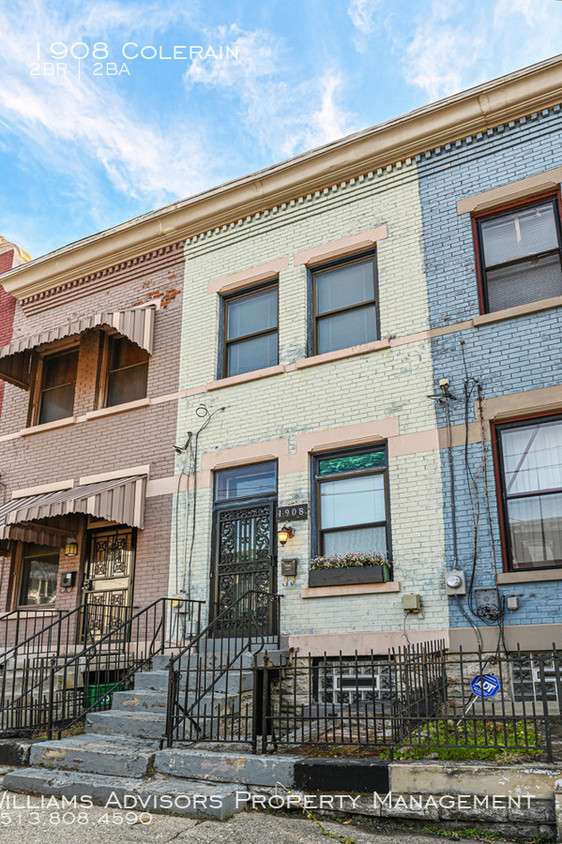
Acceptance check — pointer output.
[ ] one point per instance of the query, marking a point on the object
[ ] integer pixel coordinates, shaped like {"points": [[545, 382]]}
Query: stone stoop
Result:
{"points": [[118, 753]]}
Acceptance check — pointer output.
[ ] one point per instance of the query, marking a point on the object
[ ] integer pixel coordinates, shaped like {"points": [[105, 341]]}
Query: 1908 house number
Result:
{"points": [[292, 513]]}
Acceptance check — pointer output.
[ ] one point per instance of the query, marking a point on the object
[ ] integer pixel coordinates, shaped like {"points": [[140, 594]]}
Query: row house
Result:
{"points": [[86, 435], [376, 351], [363, 361], [491, 216]]}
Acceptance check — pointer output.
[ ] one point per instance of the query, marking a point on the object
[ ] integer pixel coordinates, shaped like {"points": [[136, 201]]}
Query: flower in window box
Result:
{"points": [[345, 569]]}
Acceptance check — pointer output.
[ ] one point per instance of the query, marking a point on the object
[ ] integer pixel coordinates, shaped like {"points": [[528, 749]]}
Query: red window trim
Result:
{"points": [[494, 212], [498, 475]]}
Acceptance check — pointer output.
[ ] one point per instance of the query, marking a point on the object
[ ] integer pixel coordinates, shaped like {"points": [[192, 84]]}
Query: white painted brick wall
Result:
{"points": [[389, 383]]}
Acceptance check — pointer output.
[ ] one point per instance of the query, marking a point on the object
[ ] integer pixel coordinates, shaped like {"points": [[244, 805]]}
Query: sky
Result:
{"points": [[111, 109]]}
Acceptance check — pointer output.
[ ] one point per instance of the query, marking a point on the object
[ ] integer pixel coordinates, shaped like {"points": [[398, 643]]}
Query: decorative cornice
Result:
{"points": [[523, 92]]}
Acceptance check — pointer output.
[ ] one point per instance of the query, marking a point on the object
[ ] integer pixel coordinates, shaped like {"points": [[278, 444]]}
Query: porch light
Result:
{"points": [[284, 534], [71, 548]]}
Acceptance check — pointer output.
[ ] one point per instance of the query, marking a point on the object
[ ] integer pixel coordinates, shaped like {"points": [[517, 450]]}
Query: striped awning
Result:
{"points": [[16, 359], [36, 518]]}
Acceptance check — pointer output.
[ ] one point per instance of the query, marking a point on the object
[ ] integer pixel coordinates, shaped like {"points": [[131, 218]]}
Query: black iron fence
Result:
{"points": [[53, 678], [416, 701], [213, 685]]}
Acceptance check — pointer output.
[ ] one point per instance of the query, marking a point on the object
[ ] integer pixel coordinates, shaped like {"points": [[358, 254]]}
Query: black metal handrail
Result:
{"points": [[25, 665], [110, 663], [248, 622]]}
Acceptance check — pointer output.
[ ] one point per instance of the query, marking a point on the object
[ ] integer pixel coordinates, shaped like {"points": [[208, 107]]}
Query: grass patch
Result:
{"points": [[509, 742]]}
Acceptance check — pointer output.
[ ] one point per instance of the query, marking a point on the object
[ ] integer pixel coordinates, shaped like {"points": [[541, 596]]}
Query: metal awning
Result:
{"points": [[37, 518], [16, 359]]}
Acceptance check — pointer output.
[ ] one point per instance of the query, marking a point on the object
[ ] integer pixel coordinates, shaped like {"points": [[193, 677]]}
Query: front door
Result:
{"points": [[108, 580], [245, 557], [245, 539]]}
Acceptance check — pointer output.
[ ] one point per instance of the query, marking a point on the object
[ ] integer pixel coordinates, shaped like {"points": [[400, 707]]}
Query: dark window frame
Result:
{"points": [[501, 493], [317, 530], [499, 211], [238, 296], [330, 266], [110, 340], [219, 503], [53, 552], [41, 389]]}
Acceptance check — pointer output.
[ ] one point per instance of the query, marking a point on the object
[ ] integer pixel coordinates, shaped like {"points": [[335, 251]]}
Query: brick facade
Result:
{"points": [[99, 441], [517, 356], [406, 215]]}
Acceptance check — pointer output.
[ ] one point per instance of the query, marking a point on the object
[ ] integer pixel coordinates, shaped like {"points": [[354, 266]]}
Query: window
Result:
{"points": [[128, 372], [56, 400], [351, 502], [246, 481], [344, 305], [520, 257], [530, 459], [39, 575], [251, 335]]}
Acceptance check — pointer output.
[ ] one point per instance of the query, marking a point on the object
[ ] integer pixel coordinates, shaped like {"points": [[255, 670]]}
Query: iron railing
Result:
{"points": [[25, 665], [88, 680], [52, 678], [212, 694], [22, 624], [416, 701]]}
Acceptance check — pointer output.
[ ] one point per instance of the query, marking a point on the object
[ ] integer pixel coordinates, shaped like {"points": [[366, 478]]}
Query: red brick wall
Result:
{"points": [[137, 437]]}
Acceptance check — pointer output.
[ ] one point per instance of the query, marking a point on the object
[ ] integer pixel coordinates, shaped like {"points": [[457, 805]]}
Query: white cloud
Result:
{"points": [[363, 15], [450, 50], [76, 124], [283, 118]]}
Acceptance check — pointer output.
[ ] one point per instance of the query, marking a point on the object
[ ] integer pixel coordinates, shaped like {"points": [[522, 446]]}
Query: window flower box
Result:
{"points": [[349, 569]]}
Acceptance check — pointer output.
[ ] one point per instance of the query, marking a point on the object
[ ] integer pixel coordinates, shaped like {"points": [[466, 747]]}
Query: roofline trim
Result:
{"points": [[520, 93]]}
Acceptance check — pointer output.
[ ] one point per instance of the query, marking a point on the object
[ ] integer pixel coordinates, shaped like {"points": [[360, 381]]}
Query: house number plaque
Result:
{"points": [[292, 513]]}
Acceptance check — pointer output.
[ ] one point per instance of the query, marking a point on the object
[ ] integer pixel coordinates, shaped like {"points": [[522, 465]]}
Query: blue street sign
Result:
{"points": [[486, 685]]}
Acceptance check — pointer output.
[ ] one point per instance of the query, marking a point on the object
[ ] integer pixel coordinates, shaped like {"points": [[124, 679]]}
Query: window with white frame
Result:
{"points": [[520, 255], [530, 465]]}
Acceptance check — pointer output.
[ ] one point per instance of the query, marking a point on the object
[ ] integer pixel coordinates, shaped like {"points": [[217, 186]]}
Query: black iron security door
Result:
{"points": [[244, 558]]}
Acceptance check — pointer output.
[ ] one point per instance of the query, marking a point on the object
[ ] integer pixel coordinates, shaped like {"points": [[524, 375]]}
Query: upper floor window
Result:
{"points": [[351, 501], [251, 330], [344, 302], [58, 381], [520, 255], [530, 465], [127, 372]]}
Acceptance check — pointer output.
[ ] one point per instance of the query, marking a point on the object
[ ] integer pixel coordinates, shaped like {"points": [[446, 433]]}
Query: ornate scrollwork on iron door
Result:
{"points": [[245, 553]]}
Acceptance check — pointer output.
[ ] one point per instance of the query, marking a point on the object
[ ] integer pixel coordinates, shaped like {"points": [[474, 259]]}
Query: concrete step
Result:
{"points": [[140, 701], [224, 766], [159, 794], [90, 753], [145, 726], [156, 681], [151, 723], [210, 659]]}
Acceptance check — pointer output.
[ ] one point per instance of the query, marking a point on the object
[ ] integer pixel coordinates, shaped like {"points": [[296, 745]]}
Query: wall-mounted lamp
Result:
{"points": [[284, 534], [71, 548]]}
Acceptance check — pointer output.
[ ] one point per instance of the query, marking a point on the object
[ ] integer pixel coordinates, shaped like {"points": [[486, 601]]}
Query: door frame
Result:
{"points": [[108, 528], [240, 504]]}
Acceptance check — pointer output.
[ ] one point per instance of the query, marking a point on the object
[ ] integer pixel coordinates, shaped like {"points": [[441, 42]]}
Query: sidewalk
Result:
{"points": [[22, 821]]}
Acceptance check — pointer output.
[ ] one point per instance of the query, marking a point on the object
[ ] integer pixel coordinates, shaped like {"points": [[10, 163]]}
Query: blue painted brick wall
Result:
{"points": [[513, 356]]}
